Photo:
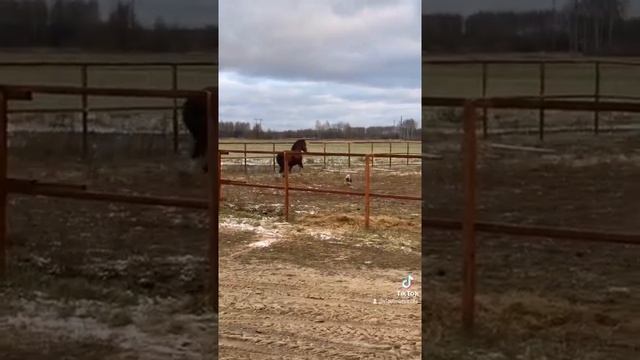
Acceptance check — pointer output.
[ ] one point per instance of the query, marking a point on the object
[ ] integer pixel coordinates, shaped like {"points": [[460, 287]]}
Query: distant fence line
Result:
{"points": [[596, 96], [266, 154], [84, 83]]}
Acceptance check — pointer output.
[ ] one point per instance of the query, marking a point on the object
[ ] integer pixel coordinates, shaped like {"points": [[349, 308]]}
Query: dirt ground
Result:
{"points": [[320, 287], [537, 298], [111, 281]]}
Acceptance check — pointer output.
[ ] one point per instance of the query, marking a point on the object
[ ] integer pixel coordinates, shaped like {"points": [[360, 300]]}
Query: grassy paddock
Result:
{"points": [[154, 77], [524, 80]]}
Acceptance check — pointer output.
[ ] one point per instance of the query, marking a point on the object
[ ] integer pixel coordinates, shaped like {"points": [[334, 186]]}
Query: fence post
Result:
{"points": [[273, 156], [286, 185], [349, 154], [390, 152], [596, 114], [245, 158], [3, 184], [542, 91], [324, 150], [468, 221], [174, 87], [219, 175], [214, 199], [85, 114], [367, 189], [408, 153], [485, 110]]}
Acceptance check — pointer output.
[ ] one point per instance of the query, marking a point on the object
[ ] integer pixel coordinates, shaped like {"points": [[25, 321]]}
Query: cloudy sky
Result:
{"points": [[292, 62], [471, 6]]}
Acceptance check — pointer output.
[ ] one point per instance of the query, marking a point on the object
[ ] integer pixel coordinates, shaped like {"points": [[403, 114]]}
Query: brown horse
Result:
{"points": [[295, 158], [194, 117]]}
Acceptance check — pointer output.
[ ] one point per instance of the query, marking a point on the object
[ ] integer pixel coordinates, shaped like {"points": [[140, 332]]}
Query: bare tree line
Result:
{"points": [[77, 24], [405, 129], [596, 27]]}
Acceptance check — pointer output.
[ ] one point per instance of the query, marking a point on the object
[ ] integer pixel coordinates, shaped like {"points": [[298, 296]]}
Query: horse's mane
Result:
{"points": [[298, 143]]}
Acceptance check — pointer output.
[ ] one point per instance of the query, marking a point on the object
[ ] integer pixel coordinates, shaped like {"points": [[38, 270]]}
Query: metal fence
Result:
{"points": [[84, 68], [37, 188], [367, 194], [469, 224], [406, 145], [596, 96]]}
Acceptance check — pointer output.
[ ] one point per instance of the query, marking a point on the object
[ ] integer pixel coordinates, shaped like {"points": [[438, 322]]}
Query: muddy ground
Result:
{"points": [[538, 298], [317, 288], [95, 280]]}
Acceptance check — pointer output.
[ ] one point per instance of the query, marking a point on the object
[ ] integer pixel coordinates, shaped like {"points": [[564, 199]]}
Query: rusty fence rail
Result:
{"points": [[349, 154], [37, 188], [469, 223], [287, 188], [84, 69], [543, 64]]}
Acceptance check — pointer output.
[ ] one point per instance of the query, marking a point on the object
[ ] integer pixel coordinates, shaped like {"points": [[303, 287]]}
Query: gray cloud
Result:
{"points": [[293, 62], [372, 42], [284, 104]]}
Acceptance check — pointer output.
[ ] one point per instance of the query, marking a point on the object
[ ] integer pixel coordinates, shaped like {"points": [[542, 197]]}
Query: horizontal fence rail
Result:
{"points": [[387, 155], [84, 68], [104, 63], [469, 223], [527, 62], [80, 192]]}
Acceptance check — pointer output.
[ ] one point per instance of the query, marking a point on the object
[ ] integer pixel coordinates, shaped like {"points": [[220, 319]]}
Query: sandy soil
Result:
{"points": [[320, 287]]}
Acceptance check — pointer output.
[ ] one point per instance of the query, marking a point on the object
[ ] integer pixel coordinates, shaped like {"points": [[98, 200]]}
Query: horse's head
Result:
{"points": [[300, 145]]}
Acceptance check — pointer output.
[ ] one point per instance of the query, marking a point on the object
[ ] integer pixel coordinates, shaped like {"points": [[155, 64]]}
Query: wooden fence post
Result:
{"points": [[324, 150], [214, 200], [286, 185], [219, 175], [174, 87], [245, 158], [273, 156], [349, 154], [596, 114], [390, 152], [84, 74], [408, 153], [367, 189], [3, 184], [468, 221], [485, 110], [542, 92]]}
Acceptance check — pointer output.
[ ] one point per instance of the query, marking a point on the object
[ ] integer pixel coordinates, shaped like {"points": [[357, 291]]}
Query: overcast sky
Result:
{"points": [[470, 6], [292, 62]]}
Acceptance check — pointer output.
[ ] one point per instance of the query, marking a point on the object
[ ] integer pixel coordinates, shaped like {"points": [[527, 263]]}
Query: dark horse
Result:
{"points": [[194, 116], [294, 159]]}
